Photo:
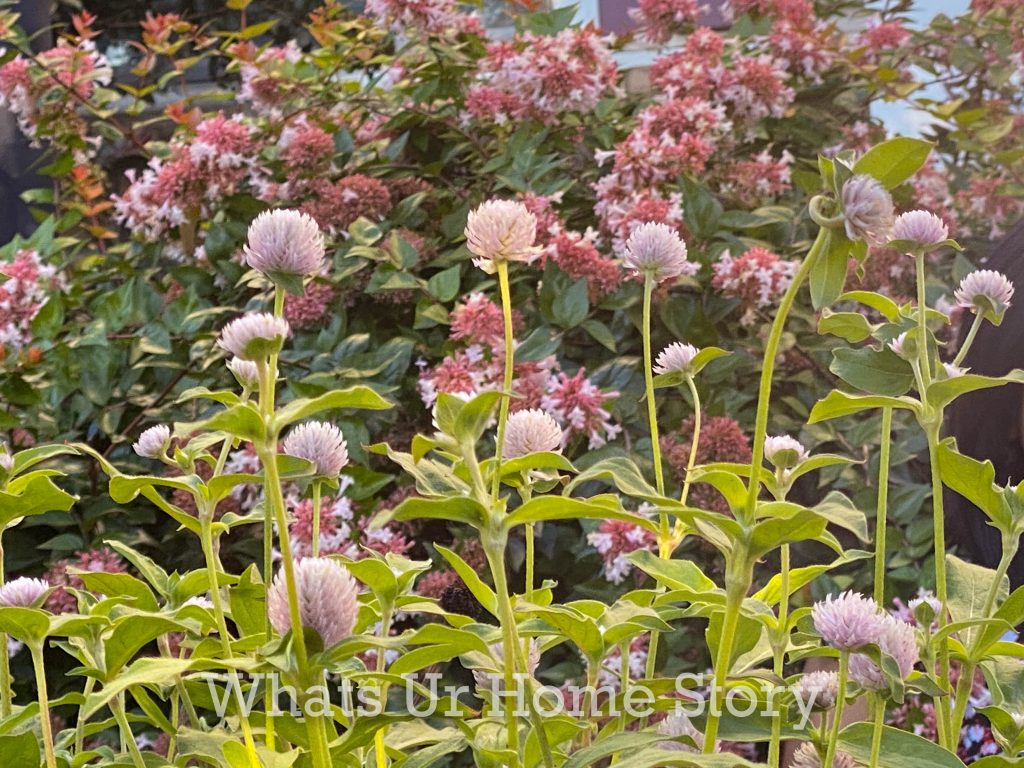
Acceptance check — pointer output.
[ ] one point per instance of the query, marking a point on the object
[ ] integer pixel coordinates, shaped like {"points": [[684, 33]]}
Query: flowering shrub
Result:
{"points": [[425, 356]]}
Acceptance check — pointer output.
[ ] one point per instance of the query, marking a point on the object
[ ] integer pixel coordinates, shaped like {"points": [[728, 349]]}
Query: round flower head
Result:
{"points": [[327, 599], [501, 230], [783, 451], [255, 336], [530, 431], [867, 207], [897, 639], [656, 249], [987, 292], [806, 756], [245, 372], [6, 458], [22, 592], [285, 242], [819, 689], [898, 345], [485, 678], [323, 444], [675, 358], [953, 371], [920, 230], [676, 725], [154, 442], [926, 607], [847, 622]]}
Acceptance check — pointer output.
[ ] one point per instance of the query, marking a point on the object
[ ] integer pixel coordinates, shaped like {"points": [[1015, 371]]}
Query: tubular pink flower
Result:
{"points": [[984, 290], [501, 230], [868, 209], [849, 621], [153, 443], [675, 358], [254, 336], [819, 689], [656, 249], [899, 640], [323, 444], [784, 451], [531, 431], [285, 242], [327, 596], [923, 228], [22, 592]]}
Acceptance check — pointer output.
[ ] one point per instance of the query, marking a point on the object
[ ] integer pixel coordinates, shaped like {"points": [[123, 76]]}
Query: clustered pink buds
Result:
{"points": [[322, 444], [22, 592], [675, 358], [327, 597], [847, 622], [154, 442], [868, 210], [254, 336], [530, 431], [285, 242], [656, 250], [501, 230]]}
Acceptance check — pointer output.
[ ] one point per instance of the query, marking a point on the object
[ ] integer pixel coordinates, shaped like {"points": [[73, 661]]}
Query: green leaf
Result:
{"points": [[248, 603], [25, 460], [975, 481], [455, 509], [837, 404], [29, 495], [622, 473], [242, 421], [570, 307], [900, 749], [145, 671], [21, 750], [881, 304], [474, 416], [851, 326], [839, 510], [942, 393], [878, 372], [968, 586], [129, 634], [680, 575], [604, 507], [894, 161], [118, 585], [29, 625], [353, 397], [828, 274], [444, 286], [483, 593]]}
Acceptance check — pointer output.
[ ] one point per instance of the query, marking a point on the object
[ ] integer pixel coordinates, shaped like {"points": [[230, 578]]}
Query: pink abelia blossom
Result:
{"points": [[335, 205], [426, 16], [578, 404], [309, 310], [265, 80], [660, 19], [758, 278], [615, 539], [26, 286], [99, 559], [478, 320], [755, 180]]}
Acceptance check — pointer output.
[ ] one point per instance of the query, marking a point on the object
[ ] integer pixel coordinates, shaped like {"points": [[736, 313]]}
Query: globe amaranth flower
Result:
{"points": [[953, 371], [806, 756], [676, 725], [245, 372], [501, 230], [819, 689], [868, 210], [154, 442], [327, 596], [847, 622], [6, 458], [783, 451], [285, 242], [530, 431], [657, 250], [985, 291], [675, 358], [323, 444], [899, 346], [898, 640], [486, 678], [22, 592], [254, 336], [920, 230]]}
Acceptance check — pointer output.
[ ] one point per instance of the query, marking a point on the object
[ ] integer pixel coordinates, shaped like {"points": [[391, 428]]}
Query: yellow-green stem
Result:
{"points": [[881, 508], [508, 655], [922, 325], [979, 318], [779, 652], [530, 555], [506, 387], [652, 408], [837, 716], [692, 459], [736, 587], [117, 707], [942, 707], [43, 697], [6, 694], [90, 684], [379, 736], [876, 735]]}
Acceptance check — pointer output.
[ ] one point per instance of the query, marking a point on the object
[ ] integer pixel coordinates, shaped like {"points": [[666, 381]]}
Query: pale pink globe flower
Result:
{"points": [[254, 336], [154, 442], [655, 249], [530, 431], [953, 371], [676, 725], [984, 290], [784, 451], [868, 210], [847, 622], [245, 372], [22, 592], [501, 230], [327, 596], [819, 689], [285, 242], [675, 358], [897, 639], [922, 228], [897, 345], [6, 457], [323, 444], [806, 756]]}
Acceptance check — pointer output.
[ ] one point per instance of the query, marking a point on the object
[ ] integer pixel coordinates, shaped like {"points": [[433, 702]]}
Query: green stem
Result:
{"points": [[380, 735], [943, 708], [117, 707], [771, 351], [692, 459], [922, 326], [315, 544], [876, 735], [6, 695], [507, 618], [652, 407], [837, 716], [36, 649], [779, 653], [90, 684], [975, 325], [529, 561], [881, 508], [506, 387], [736, 587]]}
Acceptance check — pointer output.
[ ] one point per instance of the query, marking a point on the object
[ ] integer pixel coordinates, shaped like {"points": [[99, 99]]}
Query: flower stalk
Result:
{"points": [[45, 725]]}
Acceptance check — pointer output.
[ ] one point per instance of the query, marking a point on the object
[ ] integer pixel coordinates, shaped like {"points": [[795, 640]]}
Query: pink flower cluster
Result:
{"points": [[758, 278], [265, 76], [335, 205], [340, 532], [23, 293], [101, 560], [428, 16], [762, 177], [541, 77], [615, 539], [311, 308], [660, 19]]}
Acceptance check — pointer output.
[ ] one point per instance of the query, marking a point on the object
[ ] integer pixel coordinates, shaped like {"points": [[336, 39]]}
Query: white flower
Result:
{"points": [[154, 442], [806, 756], [868, 210], [675, 358], [327, 597], [819, 689], [530, 431], [6, 458], [898, 640], [848, 621], [285, 242], [501, 230], [676, 725], [245, 372], [655, 249], [323, 444], [254, 336], [22, 592], [953, 371], [923, 228], [987, 291], [897, 345], [783, 451]]}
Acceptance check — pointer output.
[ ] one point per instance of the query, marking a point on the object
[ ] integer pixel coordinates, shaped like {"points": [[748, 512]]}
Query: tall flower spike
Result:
{"points": [[868, 210], [920, 230], [154, 442], [849, 621], [255, 336], [501, 230], [284, 242], [531, 431], [987, 292], [675, 358], [656, 249], [245, 372], [897, 639], [327, 595], [22, 592], [323, 444]]}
